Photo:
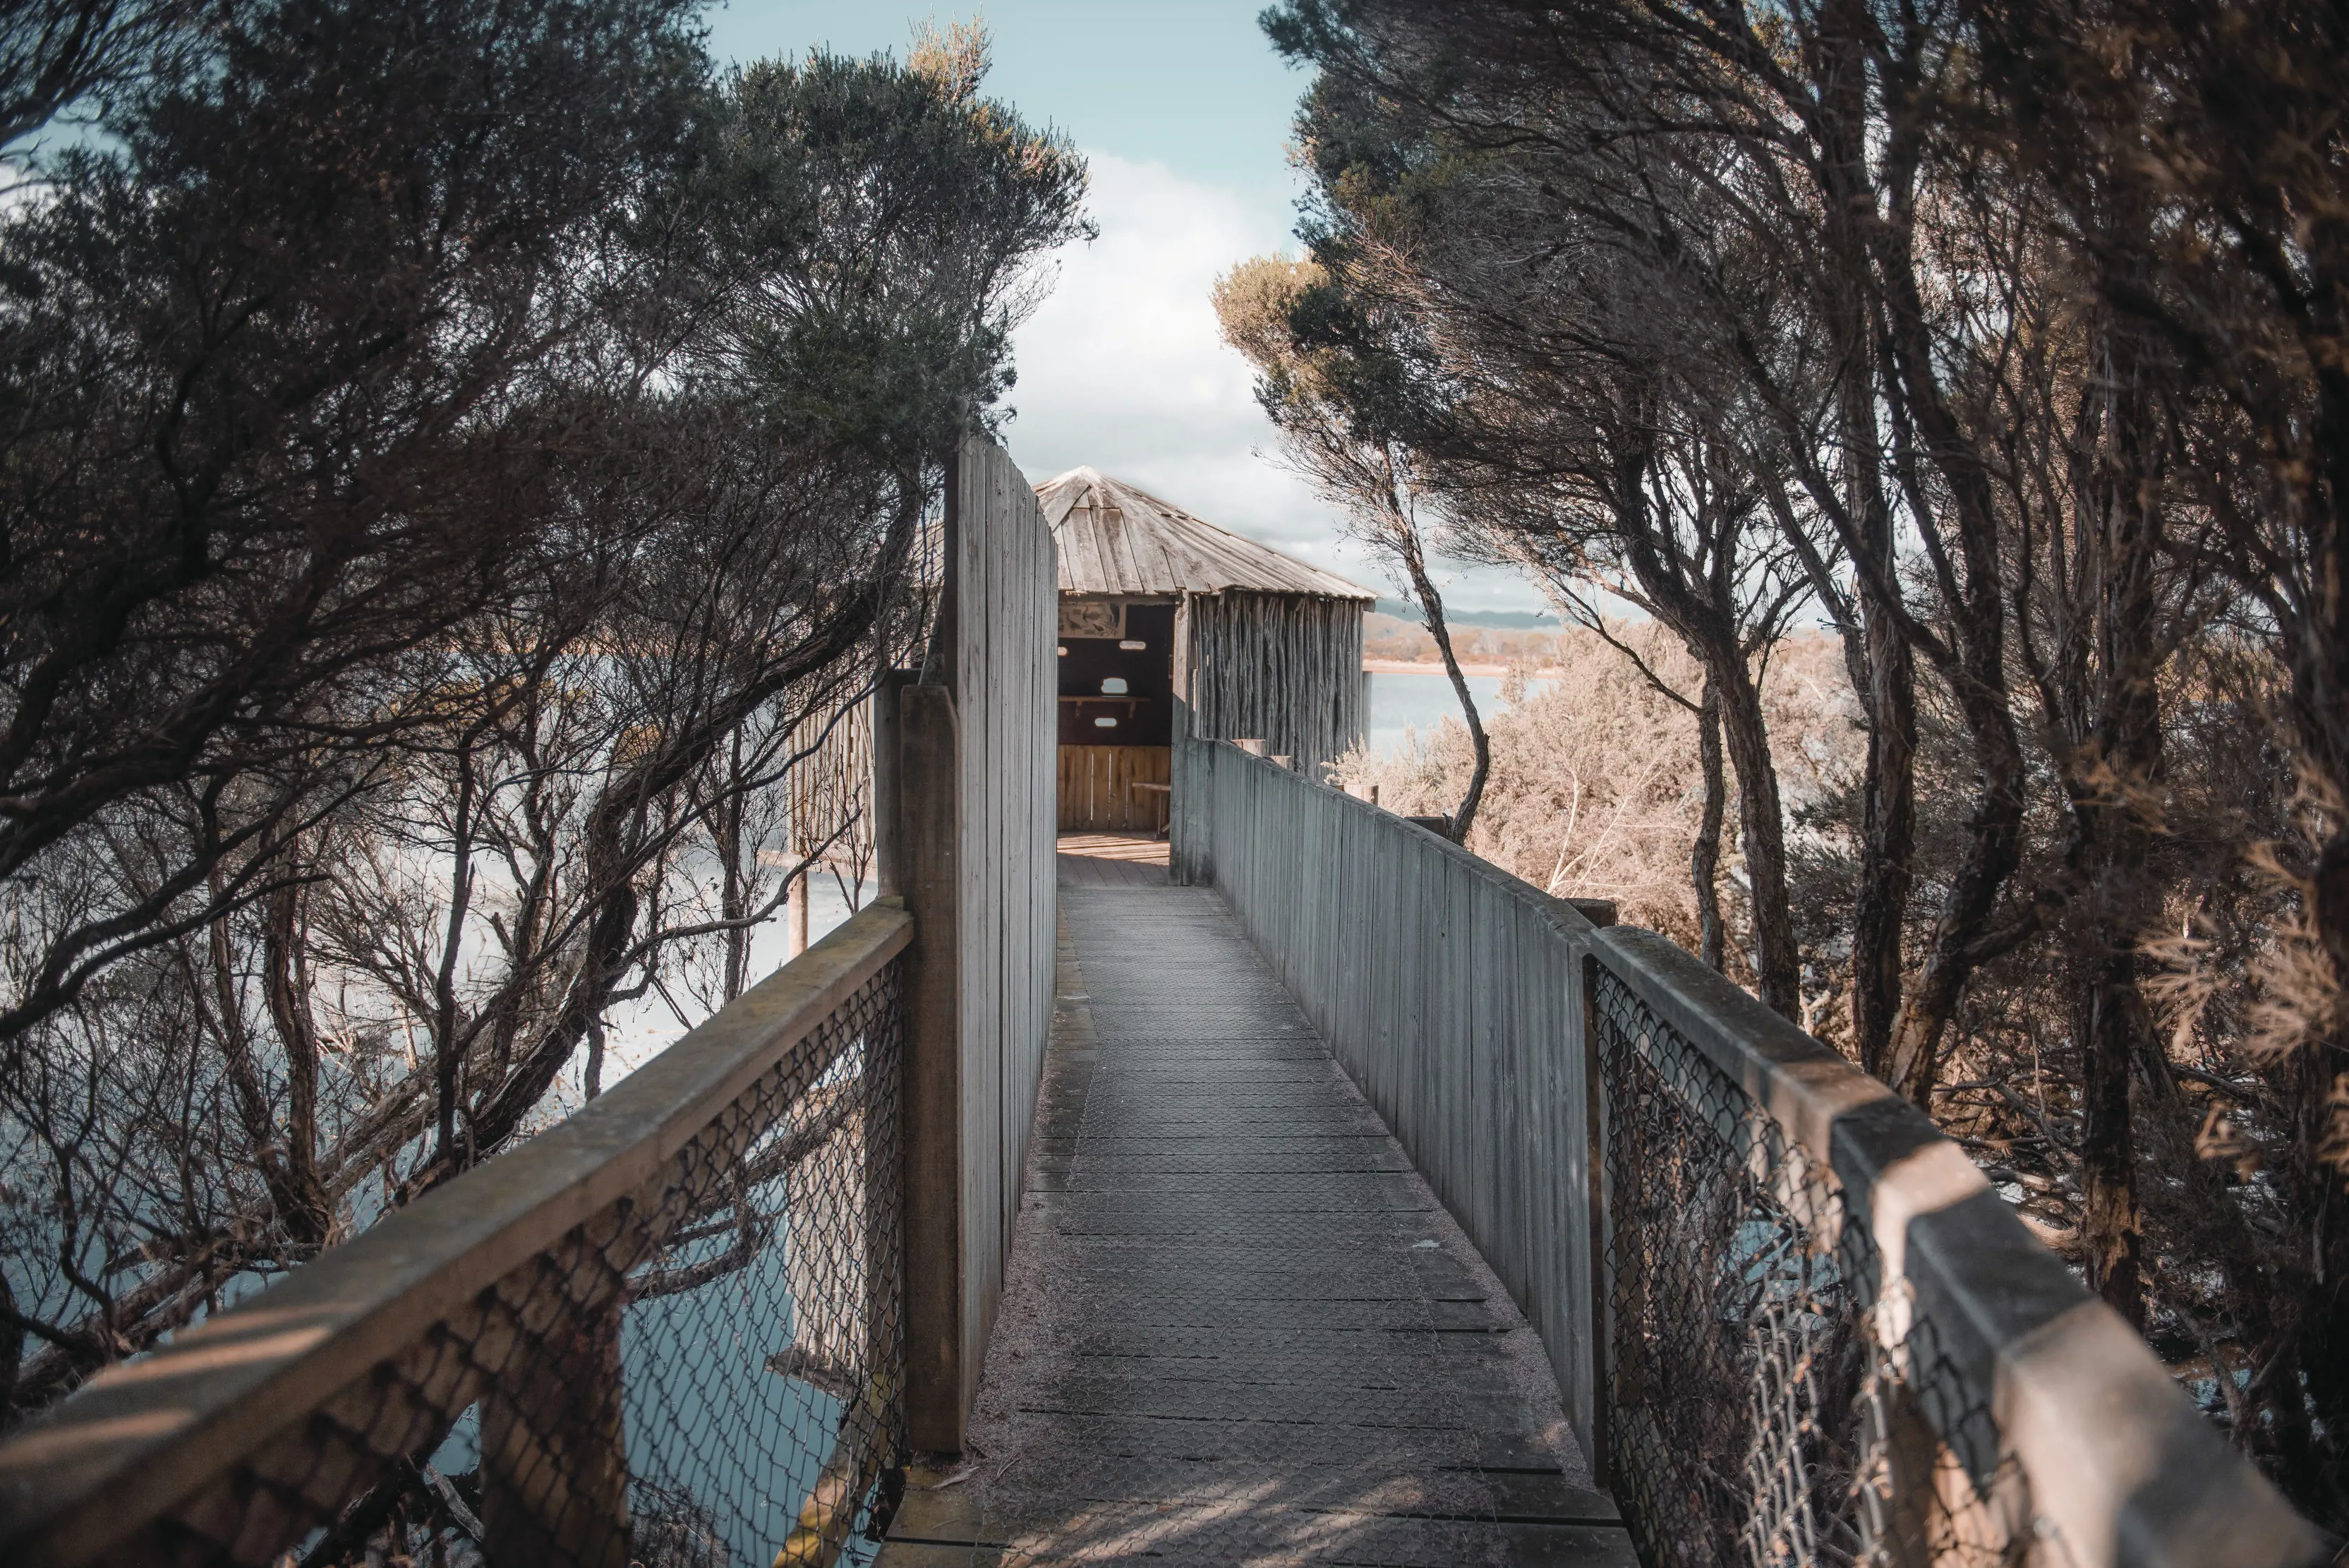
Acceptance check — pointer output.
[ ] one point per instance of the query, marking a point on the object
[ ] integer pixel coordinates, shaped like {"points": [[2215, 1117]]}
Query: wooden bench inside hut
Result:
{"points": [[1166, 619]]}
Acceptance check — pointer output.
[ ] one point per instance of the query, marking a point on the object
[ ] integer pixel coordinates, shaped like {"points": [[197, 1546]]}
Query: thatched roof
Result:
{"points": [[1116, 539]]}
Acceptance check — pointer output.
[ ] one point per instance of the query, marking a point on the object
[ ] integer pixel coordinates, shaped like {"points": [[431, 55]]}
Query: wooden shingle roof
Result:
{"points": [[1116, 539]]}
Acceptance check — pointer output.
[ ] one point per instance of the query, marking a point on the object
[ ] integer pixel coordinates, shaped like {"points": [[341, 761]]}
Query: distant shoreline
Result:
{"points": [[1430, 667]]}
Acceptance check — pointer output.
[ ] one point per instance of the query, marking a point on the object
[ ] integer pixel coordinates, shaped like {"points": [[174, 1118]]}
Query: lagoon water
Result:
{"points": [[1422, 701], [703, 1413]]}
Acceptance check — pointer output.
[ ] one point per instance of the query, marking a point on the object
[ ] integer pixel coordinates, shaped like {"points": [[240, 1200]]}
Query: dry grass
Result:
{"points": [[1597, 791]]}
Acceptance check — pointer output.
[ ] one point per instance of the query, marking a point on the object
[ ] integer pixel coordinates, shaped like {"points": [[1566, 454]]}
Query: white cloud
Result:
{"points": [[1121, 370]]}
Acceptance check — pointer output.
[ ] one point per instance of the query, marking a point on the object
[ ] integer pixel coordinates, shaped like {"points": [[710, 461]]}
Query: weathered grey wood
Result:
{"points": [[1005, 617], [238, 1393], [888, 854], [2121, 1468], [972, 841], [1597, 1204], [1285, 668], [1111, 860], [1119, 541], [1107, 789], [1265, 645], [1239, 1327], [1451, 992], [929, 834], [1455, 995]]}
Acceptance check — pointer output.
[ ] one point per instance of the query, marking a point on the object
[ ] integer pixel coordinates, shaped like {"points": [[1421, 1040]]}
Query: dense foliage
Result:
{"points": [[456, 460], [2007, 342]]}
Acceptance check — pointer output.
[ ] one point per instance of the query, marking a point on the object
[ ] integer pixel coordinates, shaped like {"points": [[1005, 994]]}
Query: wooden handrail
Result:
{"points": [[141, 1440], [1345, 899], [2123, 1469]]}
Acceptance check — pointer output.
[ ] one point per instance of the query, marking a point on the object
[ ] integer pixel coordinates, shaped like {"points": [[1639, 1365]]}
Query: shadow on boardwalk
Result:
{"points": [[1237, 1327], [1111, 860]]}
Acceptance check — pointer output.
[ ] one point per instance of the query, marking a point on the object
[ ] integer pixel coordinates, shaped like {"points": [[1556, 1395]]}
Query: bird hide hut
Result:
{"points": [[1168, 623]]}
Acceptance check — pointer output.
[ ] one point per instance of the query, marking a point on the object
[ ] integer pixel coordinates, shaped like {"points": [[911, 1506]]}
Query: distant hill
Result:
{"points": [[1512, 620]]}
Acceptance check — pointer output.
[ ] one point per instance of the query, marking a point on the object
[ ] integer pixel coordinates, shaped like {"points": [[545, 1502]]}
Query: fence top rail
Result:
{"points": [[141, 1438], [2123, 1469], [1575, 917]]}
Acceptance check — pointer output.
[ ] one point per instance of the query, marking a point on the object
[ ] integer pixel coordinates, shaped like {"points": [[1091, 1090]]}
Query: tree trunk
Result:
{"points": [[1889, 692], [2113, 1029], [1889, 806], [1994, 848], [1431, 603], [2315, 1452], [1975, 606], [1762, 833], [2110, 1234], [303, 1208], [1887, 843], [1705, 855]]}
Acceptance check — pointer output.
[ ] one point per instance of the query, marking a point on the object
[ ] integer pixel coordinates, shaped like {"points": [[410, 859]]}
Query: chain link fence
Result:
{"points": [[1766, 1404], [704, 1373]]}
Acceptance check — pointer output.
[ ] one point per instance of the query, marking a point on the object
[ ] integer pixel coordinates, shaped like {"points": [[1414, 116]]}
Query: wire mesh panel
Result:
{"points": [[704, 1375], [1766, 1403]]}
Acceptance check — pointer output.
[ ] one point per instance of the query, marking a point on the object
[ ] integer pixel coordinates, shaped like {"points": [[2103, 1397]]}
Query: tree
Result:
{"points": [[2022, 325], [2195, 158], [1366, 472], [276, 384], [623, 503], [56, 55]]}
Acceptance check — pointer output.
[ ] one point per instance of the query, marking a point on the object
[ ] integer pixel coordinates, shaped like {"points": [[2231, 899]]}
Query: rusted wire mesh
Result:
{"points": [[1767, 1403], [704, 1376]]}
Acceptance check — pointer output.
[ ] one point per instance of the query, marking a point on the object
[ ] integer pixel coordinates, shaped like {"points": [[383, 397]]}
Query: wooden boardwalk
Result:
{"points": [[1237, 1327], [1111, 860]]}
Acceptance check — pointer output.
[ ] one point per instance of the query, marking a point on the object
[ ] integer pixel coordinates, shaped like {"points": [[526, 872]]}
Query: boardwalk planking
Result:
{"points": [[1111, 860], [1450, 990], [1237, 1327]]}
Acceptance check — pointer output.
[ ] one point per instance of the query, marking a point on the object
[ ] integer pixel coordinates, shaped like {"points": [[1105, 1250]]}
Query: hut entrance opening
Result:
{"points": [[1117, 714], [1171, 625]]}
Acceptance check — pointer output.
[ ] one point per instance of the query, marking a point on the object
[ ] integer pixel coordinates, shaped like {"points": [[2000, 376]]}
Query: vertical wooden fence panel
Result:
{"points": [[1450, 990], [1097, 795], [1005, 622], [975, 846], [1277, 668], [1459, 1000]]}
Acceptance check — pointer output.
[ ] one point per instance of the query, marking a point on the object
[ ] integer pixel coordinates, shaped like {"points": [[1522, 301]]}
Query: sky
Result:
{"points": [[1184, 113]]}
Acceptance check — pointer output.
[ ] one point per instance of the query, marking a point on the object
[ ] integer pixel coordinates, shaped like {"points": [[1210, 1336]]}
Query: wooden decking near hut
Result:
{"points": [[1111, 860], [1237, 1327]]}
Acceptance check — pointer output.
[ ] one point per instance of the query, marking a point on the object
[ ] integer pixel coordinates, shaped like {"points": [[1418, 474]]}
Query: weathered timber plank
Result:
{"points": [[1449, 990], [1238, 1326]]}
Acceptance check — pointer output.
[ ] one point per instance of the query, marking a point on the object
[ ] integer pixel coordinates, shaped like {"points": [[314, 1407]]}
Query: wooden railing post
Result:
{"points": [[1191, 861], [928, 844], [1896, 1495], [1600, 1438]]}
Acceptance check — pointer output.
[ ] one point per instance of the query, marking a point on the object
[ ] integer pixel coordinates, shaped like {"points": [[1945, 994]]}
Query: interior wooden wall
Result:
{"points": [[1007, 617], [1285, 668], [1097, 793]]}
